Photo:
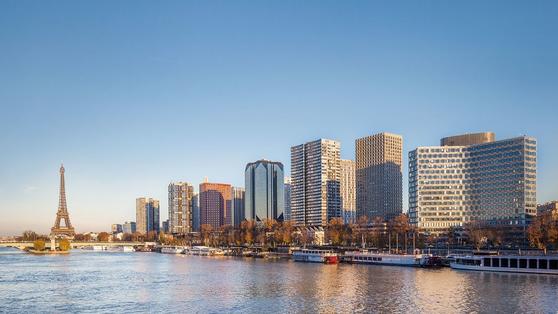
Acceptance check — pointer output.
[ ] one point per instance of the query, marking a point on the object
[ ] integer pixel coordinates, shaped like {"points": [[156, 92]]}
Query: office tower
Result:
{"points": [[147, 215], [315, 180], [215, 204], [129, 227], [264, 183], [348, 191], [165, 226], [116, 228], [379, 176], [287, 198], [488, 181], [196, 212], [180, 207], [237, 208]]}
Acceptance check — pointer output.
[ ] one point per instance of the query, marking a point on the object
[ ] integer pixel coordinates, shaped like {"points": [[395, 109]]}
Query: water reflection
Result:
{"points": [[150, 282]]}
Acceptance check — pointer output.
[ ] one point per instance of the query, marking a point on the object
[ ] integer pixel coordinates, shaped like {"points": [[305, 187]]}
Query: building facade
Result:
{"points": [[287, 212], [129, 227], [180, 207], [196, 212], [237, 208], [215, 204], [315, 182], [348, 191], [379, 176], [116, 228], [264, 198], [489, 182], [147, 215]]}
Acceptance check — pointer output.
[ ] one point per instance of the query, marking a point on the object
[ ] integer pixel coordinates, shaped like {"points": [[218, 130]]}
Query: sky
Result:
{"points": [[131, 95]]}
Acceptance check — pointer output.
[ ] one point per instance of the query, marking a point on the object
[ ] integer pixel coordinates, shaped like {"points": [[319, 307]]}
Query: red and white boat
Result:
{"points": [[316, 256]]}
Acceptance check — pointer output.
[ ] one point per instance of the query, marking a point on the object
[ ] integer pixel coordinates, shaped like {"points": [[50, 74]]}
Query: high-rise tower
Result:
{"points": [[67, 230]]}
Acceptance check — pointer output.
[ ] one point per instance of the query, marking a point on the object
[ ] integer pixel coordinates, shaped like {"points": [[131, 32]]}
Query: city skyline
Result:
{"points": [[110, 102]]}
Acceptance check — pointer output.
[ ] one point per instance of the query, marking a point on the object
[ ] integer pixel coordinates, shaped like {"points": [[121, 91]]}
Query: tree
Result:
{"points": [[334, 231], [29, 235], [401, 226], [477, 234], [376, 231], [206, 231], [64, 245], [543, 231], [103, 237], [39, 245], [247, 229]]}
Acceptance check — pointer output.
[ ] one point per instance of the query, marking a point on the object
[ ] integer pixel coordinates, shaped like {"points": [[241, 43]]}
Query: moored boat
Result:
{"points": [[316, 256], [172, 250], [412, 260], [508, 263]]}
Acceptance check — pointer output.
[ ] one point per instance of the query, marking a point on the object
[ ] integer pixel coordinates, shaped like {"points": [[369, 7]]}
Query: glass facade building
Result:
{"points": [[264, 184], [489, 182], [237, 206]]}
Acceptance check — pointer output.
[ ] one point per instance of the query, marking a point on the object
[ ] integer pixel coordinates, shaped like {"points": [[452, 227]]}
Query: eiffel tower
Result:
{"points": [[58, 231]]}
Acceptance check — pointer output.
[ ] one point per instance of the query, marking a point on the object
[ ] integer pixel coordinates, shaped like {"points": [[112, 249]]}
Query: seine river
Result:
{"points": [[152, 282]]}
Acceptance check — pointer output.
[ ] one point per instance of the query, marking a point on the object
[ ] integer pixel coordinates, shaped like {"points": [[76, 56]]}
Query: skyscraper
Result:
{"points": [[348, 191], [315, 182], [237, 208], [264, 183], [196, 212], [484, 181], [215, 204], [129, 227], [147, 215], [287, 198], [379, 177], [180, 207]]}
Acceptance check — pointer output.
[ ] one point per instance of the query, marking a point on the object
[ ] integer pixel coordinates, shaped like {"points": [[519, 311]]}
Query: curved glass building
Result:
{"points": [[264, 184]]}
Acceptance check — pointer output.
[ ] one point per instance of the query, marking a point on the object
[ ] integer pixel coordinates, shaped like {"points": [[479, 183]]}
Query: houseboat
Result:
{"points": [[411, 260], [316, 256], [172, 250], [509, 263]]}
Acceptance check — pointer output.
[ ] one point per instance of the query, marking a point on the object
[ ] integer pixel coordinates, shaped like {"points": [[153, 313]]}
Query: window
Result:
{"points": [[486, 262], [513, 262], [553, 264], [522, 263], [532, 263], [495, 262], [504, 262], [543, 264]]}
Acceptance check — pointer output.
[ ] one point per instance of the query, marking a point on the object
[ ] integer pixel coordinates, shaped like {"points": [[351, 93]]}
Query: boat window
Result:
{"points": [[513, 262], [532, 263], [522, 263], [553, 264], [543, 263], [486, 262], [504, 262], [379, 259], [477, 262], [495, 262]]}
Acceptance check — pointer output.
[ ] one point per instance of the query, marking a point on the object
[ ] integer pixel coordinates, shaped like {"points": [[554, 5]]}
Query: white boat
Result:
{"points": [[316, 256], [508, 263], [99, 248], [172, 250], [412, 260], [126, 249]]}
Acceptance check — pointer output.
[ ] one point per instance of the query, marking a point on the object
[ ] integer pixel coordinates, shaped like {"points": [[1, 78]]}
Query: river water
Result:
{"points": [[108, 282]]}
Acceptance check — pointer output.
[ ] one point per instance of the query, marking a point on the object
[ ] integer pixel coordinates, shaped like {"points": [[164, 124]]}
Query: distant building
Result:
{"points": [[180, 207], [492, 182], [116, 228], [165, 226], [196, 212], [287, 198], [379, 176], [348, 191], [237, 208], [129, 227], [215, 204], [264, 198], [551, 206], [315, 182], [147, 215]]}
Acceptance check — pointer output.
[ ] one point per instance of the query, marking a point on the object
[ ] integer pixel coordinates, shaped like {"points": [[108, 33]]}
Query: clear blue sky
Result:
{"points": [[133, 94]]}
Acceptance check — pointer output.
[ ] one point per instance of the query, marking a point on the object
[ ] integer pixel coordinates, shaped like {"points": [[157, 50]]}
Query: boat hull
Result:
{"points": [[503, 269]]}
